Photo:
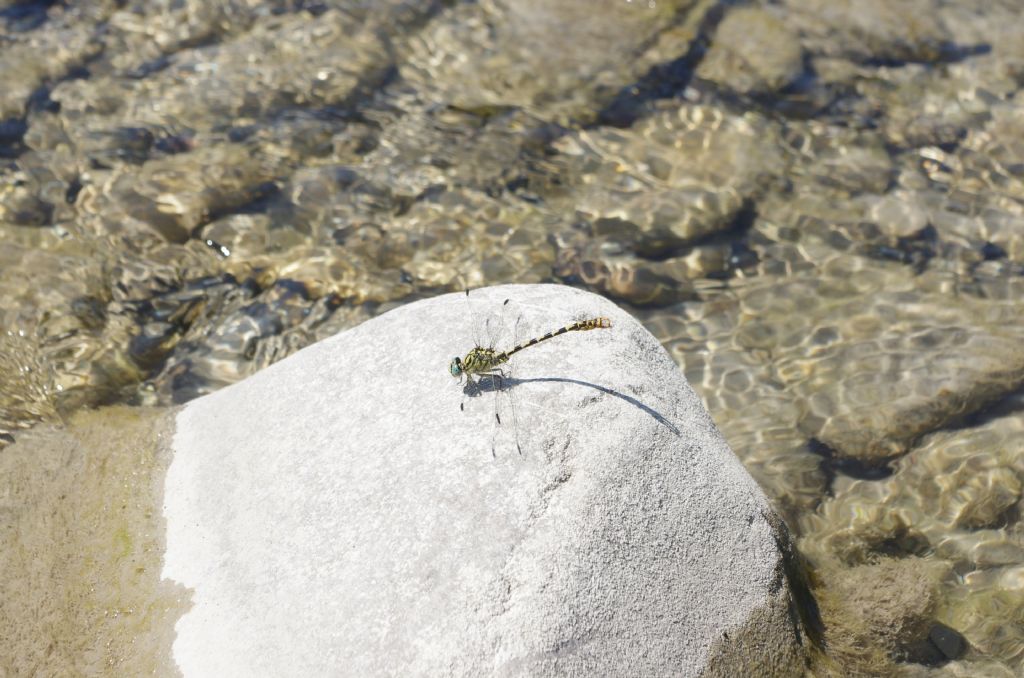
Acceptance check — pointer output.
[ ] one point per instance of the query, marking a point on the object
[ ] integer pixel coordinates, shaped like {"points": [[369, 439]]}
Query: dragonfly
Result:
{"points": [[483, 362]]}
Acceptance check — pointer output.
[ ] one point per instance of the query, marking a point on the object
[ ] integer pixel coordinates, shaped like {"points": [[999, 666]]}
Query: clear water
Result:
{"points": [[818, 208]]}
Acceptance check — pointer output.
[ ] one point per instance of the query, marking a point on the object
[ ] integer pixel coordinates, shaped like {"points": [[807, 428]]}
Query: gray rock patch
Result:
{"points": [[340, 513]]}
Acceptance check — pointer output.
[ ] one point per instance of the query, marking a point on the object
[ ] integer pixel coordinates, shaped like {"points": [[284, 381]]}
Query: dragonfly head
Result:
{"points": [[456, 367]]}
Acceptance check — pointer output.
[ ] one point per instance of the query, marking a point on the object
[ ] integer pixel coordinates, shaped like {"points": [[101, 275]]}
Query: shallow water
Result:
{"points": [[818, 208]]}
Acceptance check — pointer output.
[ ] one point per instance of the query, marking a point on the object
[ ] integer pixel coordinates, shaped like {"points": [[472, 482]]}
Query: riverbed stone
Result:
{"points": [[352, 509], [600, 47], [881, 611], [753, 52]]}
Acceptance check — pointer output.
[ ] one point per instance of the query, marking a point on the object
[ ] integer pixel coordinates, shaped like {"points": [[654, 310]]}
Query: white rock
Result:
{"points": [[339, 514]]}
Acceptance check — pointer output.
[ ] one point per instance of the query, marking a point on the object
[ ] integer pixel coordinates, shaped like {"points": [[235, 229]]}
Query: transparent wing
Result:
{"points": [[486, 322], [506, 413], [495, 328]]}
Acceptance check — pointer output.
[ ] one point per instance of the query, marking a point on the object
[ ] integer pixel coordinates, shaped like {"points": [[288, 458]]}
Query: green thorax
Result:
{"points": [[480, 360]]}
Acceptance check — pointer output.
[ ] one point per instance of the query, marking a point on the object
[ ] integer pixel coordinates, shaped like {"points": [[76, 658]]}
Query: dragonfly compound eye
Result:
{"points": [[456, 367]]}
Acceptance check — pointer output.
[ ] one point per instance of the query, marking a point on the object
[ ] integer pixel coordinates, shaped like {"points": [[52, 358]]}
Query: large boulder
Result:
{"points": [[354, 510]]}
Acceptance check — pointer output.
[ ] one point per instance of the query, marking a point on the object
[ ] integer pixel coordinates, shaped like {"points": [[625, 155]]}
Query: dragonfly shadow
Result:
{"points": [[490, 384], [487, 383]]}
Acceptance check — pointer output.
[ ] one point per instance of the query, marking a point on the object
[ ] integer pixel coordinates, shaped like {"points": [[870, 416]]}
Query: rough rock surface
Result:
{"points": [[352, 509]]}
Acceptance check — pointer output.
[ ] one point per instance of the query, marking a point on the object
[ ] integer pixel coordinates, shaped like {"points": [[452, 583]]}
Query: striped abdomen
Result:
{"points": [[580, 326]]}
